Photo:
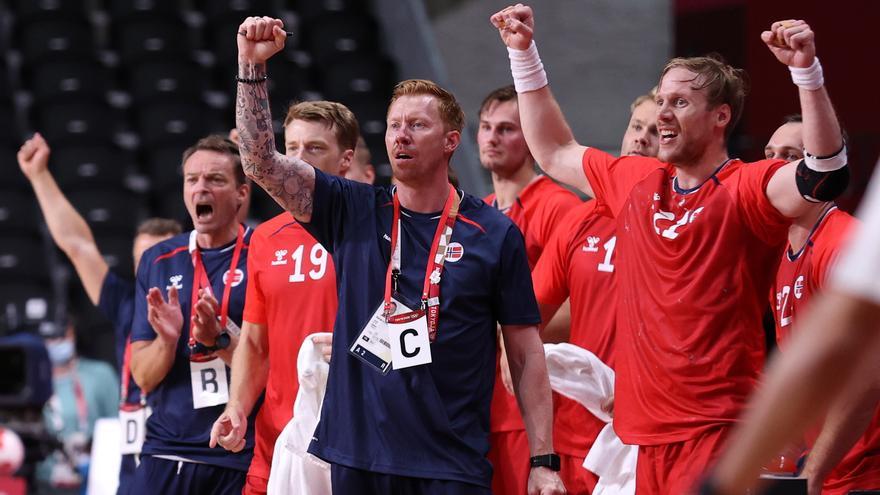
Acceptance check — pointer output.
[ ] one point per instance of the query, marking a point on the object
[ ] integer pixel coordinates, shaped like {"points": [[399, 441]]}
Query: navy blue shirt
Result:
{"points": [[175, 428], [429, 421], [116, 302]]}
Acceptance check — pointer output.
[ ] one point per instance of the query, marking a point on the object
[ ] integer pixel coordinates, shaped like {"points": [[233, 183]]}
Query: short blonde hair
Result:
{"points": [[649, 96], [450, 110], [335, 115]]}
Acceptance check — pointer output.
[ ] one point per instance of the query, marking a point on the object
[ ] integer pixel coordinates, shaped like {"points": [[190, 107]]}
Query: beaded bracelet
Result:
{"points": [[256, 80]]}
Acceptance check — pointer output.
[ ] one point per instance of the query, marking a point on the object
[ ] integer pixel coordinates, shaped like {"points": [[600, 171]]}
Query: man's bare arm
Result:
{"points": [[800, 384], [250, 367], [290, 181], [67, 227], [793, 44], [847, 420], [555, 322], [531, 385], [548, 135]]}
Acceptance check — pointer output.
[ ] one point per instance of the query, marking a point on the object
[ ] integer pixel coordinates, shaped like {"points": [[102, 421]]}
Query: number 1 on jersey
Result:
{"points": [[606, 265], [318, 257]]}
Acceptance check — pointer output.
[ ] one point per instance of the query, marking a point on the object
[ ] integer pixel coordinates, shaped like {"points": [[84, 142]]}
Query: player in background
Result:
{"points": [[829, 362], [291, 293], [180, 347], [578, 266], [846, 454], [361, 168], [111, 293], [698, 239], [536, 204]]}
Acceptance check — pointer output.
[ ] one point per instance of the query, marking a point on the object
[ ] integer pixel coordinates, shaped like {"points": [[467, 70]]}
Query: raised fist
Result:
{"points": [[33, 156], [516, 25], [792, 42], [259, 38]]}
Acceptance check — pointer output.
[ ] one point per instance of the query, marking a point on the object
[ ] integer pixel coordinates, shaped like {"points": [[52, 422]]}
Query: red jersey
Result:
{"points": [[800, 276], [537, 211], [695, 266], [579, 263], [291, 290]]}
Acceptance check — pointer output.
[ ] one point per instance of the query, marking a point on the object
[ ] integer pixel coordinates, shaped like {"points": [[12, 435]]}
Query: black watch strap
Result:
{"points": [[221, 342], [549, 461]]}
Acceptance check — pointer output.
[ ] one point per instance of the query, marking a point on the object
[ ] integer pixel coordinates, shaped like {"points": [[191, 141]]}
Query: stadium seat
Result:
{"points": [[55, 38], [309, 10], [149, 80], [70, 78], [333, 35], [151, 37], [162, 164], [108, 211], [173, 121], [169, 204], [78, 122], [358, 76], [116, 250], [18, 214], [26, 11], [235, 9], [23, 305], [82, 167], [23, 258], [127, 9]]}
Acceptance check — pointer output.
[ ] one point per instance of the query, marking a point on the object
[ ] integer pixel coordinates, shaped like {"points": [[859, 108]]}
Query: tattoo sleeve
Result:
{"points": [[290, 181]]}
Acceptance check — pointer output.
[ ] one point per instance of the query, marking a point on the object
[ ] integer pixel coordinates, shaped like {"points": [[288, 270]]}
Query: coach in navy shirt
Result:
{"points": [[180, 346], [425, 272]]}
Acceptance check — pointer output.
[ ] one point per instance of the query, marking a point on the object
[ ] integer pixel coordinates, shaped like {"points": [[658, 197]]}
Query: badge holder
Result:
{"points": [[133, 422]]}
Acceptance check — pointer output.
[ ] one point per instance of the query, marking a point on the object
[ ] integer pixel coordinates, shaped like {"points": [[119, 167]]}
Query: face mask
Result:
{"points": [[60, 352]]}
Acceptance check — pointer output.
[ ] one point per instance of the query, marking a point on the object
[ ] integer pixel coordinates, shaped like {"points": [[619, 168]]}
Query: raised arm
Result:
{"points": [[68, 228], [548, 135], [290, 181], [823, 175]]}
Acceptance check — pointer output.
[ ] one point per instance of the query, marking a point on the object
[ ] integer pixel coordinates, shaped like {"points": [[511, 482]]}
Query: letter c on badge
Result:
{"points": [[403, 349]]}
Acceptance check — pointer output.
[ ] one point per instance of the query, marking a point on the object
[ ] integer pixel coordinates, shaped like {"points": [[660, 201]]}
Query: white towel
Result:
{"points": [[294, 470], [579, 375]]}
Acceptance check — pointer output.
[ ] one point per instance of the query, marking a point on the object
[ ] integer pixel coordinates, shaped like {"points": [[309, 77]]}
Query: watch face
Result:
{"points": [[223, 341]]}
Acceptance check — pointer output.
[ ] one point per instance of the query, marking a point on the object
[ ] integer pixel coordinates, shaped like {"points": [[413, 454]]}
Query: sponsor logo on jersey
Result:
{"points": [[671, 232], [280, 257], [236, 279], [592, 244], [454, 252], [174, 281]]}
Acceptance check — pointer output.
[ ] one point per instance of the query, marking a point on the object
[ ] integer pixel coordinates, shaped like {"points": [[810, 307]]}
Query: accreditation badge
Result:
{"points": [[410, 344], [209, 384], [133, 423]]}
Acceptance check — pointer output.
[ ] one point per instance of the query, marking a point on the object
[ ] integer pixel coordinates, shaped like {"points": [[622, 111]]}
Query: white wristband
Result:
{"points": [[810, 78], [527, 69], [826, 164]]}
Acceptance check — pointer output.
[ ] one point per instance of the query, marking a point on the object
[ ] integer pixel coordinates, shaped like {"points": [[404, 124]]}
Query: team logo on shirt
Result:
{"points": [[236, 279], [454, 252], [671, 231], [280, 257], [174, 280], [592, 244], [799, 287]]}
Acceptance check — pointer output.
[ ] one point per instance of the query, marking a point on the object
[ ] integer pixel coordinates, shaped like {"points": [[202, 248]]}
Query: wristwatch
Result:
{"points": [[549, 461], [221, 342]]}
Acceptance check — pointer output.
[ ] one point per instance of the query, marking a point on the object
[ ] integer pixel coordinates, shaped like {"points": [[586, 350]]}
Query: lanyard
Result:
{"points": [[200, 278], [436, 257], [82, 407]]}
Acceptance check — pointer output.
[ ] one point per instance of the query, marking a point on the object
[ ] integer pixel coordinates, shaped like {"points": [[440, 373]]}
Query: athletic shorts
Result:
{"points": [[349, 481], [509, 455], [126, 473], [577, 480], [678, 467], [155, 475]]}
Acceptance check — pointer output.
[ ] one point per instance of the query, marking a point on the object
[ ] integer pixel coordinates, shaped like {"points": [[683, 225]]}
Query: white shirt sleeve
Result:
{"points": [[858, 272]]}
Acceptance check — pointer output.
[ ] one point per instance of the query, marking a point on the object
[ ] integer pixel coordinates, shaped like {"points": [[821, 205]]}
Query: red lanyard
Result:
{"points": [[200, 279], [82, 407], [433, 271]]}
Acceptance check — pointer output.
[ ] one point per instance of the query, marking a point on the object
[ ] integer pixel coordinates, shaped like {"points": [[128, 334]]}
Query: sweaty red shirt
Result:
{"points": [[695, 268], [537, 211], [579, 263], [800, 276], [292, 291]]}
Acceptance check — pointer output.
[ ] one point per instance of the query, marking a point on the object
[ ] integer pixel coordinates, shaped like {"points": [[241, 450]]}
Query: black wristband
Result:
{"points": [[549, 461], [256, 80]]}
